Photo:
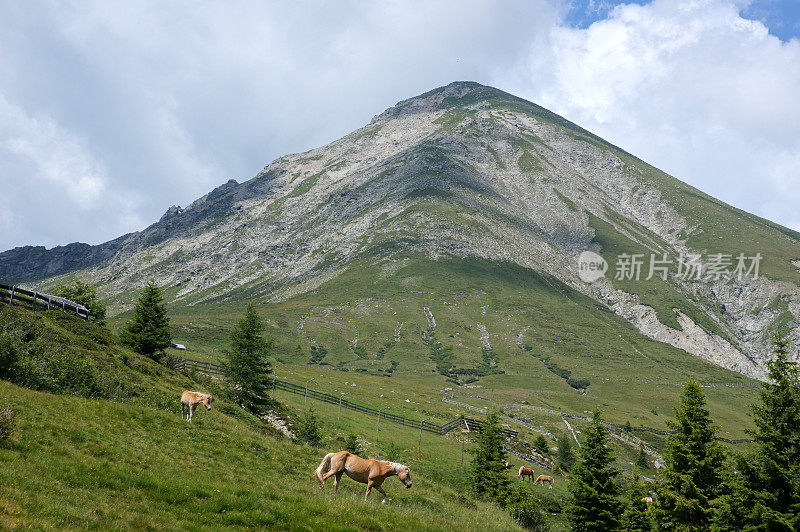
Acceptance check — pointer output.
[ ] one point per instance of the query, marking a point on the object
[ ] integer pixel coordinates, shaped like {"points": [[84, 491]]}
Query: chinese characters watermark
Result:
{"points": [[687, 267]]}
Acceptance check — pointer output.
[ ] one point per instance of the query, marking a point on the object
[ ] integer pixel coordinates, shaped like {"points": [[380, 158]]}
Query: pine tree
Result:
{"points": [[487, 471], [594, 485], [763, 493], [565, 458], [86, 295], [694, 466], [641, 461], [540, 444], [247, 369], [635, 518], [148, 330]]}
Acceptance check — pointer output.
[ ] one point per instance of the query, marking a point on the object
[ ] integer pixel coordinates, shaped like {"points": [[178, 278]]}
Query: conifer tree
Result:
{"points": [[594, 487], [565, 457], [641, 461], [763, 491], [148, 331], [487, 471], [635, 518], [247, 368], [694, 466], [540, 443]]}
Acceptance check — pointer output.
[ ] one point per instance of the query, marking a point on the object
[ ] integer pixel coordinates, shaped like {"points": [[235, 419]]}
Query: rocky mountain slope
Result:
{"points": [[471, 172]]}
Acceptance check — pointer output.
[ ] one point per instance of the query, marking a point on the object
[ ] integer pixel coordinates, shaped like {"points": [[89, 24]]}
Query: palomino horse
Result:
{"points": [[525, 472], [541, 479], [191, 400], [369, 472]]}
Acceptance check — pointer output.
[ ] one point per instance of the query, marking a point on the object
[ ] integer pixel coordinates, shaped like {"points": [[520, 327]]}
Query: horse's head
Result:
{"points": [[405, 476], [207, 400]]}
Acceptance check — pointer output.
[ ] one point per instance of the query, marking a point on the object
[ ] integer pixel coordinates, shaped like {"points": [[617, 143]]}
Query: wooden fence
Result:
{"points": [[38, 301], [188, 364]]}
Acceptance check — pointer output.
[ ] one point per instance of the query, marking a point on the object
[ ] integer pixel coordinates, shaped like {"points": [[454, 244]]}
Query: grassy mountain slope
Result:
{"points": [[120, 461]]}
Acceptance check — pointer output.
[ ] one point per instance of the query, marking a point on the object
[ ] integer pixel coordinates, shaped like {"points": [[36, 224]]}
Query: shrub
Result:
{"points": [[86, 295], [525, 508], [308, 429], [352, 445], [7, 422]]}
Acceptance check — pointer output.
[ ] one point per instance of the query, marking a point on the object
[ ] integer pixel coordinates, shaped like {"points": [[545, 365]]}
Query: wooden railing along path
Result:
{"points": [[34, 300]]}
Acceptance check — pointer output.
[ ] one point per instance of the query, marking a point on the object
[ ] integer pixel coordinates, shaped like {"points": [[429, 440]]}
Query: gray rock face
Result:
{"points": [[463, 170]]}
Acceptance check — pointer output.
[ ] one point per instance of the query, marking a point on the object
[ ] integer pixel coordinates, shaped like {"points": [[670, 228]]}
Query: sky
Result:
{"points": [[111, 112]]}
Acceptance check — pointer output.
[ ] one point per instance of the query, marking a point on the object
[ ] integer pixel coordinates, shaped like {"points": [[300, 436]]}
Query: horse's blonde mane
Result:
{"points": [[396, 468]]}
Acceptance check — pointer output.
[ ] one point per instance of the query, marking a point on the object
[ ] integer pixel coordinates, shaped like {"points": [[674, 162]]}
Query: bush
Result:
{"points": [[352, 445], [525, 508], [7, 423], [308, 429]]}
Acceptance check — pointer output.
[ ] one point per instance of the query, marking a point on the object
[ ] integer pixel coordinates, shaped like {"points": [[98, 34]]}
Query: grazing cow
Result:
{"points": [[191, 400], [369, 472], [648, 500], [525, 472], [541, 479]]}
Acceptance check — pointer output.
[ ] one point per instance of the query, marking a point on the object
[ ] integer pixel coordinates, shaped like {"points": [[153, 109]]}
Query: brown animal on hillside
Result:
{"points": [[191, 399], [648, 500], [369, 472], [541, 479], [525, 472], [506, 464]]}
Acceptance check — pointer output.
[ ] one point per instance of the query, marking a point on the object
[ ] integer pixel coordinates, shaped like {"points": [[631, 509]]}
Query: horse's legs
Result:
{"points": [[191, 412], [336, 478], [369, 488], [382, 492]]}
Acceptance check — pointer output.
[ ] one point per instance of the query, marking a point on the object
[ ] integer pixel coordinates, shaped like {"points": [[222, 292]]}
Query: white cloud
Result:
{"points": [[143, 105], [689, 86]]}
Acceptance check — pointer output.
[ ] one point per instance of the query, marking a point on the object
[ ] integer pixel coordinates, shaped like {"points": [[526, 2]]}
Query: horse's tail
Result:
{"points": [[324, 466]]}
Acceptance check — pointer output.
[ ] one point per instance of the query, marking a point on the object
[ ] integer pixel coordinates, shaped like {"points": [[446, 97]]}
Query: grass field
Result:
{"points": [[125, 462]]}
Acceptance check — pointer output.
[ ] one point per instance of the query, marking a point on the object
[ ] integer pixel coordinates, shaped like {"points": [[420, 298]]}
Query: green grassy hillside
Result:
{"points": [[536, 328], [88, 459]]}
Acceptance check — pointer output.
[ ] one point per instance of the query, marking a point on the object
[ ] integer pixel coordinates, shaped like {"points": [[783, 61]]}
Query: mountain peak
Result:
{"points": [[455, 94]]}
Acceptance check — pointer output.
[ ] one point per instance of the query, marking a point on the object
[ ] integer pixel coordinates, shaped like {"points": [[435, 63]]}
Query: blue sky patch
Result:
{"points": [[781, 17]]}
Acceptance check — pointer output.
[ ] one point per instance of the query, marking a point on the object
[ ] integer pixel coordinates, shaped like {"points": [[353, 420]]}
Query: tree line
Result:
{"points": [[703, 487]]}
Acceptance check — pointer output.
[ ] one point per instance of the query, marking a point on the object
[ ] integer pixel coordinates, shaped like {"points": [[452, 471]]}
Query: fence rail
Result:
{"points": [[34, 300], [199, 366]]}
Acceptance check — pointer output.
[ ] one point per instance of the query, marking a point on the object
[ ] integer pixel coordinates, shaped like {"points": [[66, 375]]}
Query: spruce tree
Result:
{"points": [[540, 444], [247, 369], [148, 331], [763, 491], [487, 471], [694, 466], [635, 518], [594, 487], [641, 461], [565, 457]]}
